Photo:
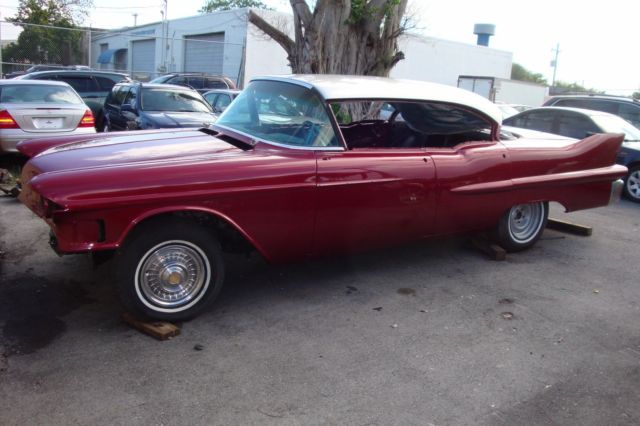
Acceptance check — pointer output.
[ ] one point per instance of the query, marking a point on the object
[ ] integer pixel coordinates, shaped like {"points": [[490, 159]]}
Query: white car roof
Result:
{"points": [[335, 87]]}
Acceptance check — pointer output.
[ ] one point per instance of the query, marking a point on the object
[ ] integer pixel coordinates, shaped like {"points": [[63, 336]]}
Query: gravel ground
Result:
{"points": [[430, 333]]}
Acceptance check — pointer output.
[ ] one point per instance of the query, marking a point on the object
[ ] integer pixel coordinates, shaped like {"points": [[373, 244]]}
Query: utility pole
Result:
{"points": [[135, 19], [554, 64]]}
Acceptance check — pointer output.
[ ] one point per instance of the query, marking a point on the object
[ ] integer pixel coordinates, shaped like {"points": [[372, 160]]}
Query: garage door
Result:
{"points": [[143, 59], [204, 53]]}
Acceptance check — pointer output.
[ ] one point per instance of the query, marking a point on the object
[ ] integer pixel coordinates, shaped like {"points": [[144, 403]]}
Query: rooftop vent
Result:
{"points": [[484, 31]]}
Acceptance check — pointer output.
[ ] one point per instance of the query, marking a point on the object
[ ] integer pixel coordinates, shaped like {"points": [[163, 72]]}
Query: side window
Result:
{"points": [[575, 126], [593, 104], [179, 80], [210, 98], [222, 102], [82, 84], [104, 83], [631, 113], [214, 83], [131, 97], [196, 82], [540, 121], [117, 95], [409, 125]]}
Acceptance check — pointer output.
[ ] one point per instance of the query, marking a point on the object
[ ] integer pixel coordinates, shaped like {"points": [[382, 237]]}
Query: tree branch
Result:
{"points": [[301, 8], [281, 38]]}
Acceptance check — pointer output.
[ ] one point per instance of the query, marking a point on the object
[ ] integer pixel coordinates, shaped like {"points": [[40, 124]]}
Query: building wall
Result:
{"points": [[233, 23], [263, 55], [442, 61]]}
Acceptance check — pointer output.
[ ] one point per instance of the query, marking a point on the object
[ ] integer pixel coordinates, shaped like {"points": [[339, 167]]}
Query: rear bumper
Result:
{"points": [[616, 191]]}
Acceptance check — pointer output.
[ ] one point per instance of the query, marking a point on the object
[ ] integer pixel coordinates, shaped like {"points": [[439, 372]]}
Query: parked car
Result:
{"points": [[579, 123], [46, 67], [507, 110], [135, 106], [219, 99], [93, 86], [297, 167], [627, 108], [36, 109], [201, 82]]}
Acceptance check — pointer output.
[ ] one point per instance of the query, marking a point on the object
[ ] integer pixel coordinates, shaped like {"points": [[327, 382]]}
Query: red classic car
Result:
{"points": [[304, 166]]}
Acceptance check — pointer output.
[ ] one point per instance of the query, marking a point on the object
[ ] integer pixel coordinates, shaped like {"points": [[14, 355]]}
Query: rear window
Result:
{"points": [[31, 94]]}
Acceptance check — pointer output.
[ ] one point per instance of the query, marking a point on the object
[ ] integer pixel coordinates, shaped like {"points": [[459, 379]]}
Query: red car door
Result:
{"points": [[372, 197]]}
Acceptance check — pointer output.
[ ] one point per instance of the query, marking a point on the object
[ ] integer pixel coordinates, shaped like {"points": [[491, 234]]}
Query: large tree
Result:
{"points": [[47, 34], [216, 5], [357, 37]]}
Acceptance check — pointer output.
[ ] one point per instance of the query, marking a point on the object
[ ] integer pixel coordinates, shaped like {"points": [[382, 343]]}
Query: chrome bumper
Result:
{"points": [[616, 191]]}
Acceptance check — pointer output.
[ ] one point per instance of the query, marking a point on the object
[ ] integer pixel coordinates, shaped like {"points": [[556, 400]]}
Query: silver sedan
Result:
{"points": [[34, 109]]}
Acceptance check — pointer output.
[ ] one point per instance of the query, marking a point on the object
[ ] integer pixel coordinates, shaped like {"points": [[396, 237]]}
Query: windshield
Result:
{"points": [[38, 93], [614, 124], [160, 99], [279, 112]]}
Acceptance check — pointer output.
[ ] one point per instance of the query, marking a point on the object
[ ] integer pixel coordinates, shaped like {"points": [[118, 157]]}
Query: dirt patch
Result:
{"points": [[407, 291]]}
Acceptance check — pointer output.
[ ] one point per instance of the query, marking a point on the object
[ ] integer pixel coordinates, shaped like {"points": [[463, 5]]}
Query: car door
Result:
{"points": [[114, 103], [371, 197]]}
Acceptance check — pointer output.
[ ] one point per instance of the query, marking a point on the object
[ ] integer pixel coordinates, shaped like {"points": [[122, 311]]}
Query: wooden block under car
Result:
{"points": [[569, 227], [160, 330], [494, 251]]}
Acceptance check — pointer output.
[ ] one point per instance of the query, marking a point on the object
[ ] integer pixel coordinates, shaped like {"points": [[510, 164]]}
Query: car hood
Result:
{"points": [[112, 150], [179, 119]]}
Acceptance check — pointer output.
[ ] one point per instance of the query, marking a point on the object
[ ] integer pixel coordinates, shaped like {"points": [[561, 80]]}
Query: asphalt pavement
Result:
{"points": [[432, 333]]}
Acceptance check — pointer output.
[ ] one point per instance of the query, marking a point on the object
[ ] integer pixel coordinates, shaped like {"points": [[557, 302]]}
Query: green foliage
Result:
{"points": [[564, 87], [636, 95], [217, 5], [39, 42], [361, 10], [518, 72]]}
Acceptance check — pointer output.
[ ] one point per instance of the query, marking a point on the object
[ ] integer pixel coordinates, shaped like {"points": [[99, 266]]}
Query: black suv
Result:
{"points": [[92, 86], [201, 82], [136, 106], [627, 108]]}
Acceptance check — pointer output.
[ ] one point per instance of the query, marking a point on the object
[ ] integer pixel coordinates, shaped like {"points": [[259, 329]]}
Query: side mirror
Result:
{"points": [[126, 108]]}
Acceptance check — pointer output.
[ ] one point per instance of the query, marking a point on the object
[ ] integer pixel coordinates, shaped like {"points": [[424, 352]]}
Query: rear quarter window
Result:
{"points": [[82, 84]]}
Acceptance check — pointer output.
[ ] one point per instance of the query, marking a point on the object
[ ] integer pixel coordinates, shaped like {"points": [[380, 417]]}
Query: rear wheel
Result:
{"points": [[170, 270], [522, 225], [632, 184]]}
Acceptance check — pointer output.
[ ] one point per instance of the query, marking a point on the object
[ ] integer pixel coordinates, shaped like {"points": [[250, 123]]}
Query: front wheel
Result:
{"points": [[522, 225], [170, 270], [632, 184]]}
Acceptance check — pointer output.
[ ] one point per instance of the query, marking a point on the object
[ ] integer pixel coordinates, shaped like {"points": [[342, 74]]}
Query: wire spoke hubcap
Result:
{"points": [[525, 220], [172, 274]]}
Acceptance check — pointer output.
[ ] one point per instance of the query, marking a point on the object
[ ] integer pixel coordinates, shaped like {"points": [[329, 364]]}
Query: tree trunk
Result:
{"points": [[354, 37]]}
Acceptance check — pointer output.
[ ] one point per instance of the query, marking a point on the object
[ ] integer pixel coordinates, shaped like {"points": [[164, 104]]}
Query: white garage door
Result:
{"points": [[143, 58], [204, 53]]}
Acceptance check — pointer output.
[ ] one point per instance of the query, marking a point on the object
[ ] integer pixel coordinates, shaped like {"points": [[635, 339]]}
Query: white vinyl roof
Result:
{"points": [[336, 87]]}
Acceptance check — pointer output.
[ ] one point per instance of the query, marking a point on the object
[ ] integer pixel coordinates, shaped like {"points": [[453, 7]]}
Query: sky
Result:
{"points": [[598, 41]]}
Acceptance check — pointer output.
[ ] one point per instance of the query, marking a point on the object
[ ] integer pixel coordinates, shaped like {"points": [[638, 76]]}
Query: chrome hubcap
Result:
{"points": [[525, 220], [172, 275], [633, 184]]}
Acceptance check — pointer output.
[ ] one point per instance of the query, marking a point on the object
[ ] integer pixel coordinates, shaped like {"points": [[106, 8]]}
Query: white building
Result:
{"points": [[225, 43]]}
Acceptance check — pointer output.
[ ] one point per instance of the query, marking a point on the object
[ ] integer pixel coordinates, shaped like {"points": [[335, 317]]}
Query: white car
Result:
{"points": [[32, 109]]}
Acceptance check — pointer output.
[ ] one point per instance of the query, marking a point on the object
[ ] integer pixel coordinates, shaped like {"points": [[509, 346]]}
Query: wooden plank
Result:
{"points": [[160, 330], [569, 227], [493, 251]]}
